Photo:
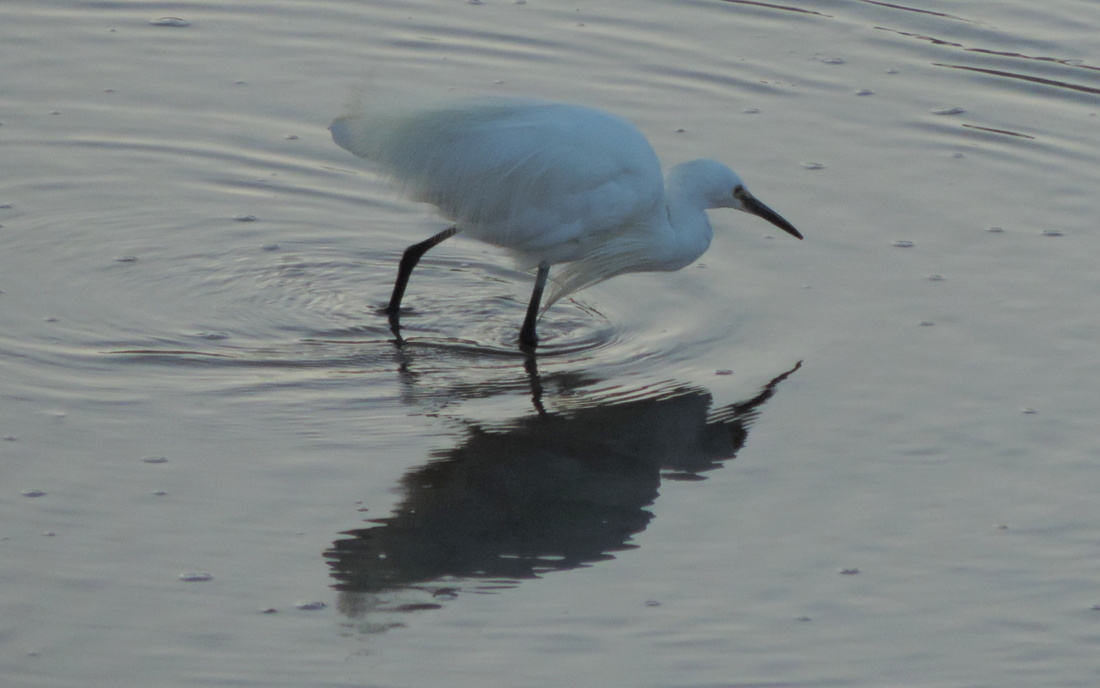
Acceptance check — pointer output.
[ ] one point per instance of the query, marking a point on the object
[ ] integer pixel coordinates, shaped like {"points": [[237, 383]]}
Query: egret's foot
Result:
{"points": [[528, 340], [394, 317]]}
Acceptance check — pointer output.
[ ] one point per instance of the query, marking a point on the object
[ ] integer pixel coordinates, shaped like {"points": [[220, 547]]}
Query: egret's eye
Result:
{"points": [[739, 193]]}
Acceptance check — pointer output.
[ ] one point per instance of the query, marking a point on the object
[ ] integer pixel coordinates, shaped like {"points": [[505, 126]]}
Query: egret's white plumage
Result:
{"points": [[553, 183]]}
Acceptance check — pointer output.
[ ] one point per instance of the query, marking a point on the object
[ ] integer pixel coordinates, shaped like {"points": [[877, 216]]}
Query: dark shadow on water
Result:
{"points": [[549, 492]]}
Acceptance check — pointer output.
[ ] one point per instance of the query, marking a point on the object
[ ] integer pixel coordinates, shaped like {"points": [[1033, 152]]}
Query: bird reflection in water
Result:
{"points": [[553, 491]]}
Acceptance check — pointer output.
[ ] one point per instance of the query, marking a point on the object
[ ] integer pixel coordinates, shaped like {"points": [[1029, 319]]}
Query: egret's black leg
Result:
{"points": [[408, 261], [527, 336], [531, 365]]}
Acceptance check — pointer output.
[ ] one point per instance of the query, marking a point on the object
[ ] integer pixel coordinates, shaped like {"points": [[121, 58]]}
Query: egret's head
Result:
{"points": [[715, 185]]}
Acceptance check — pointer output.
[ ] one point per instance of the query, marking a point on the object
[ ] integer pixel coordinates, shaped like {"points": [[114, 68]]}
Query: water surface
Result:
{"points": [[862, 459]]}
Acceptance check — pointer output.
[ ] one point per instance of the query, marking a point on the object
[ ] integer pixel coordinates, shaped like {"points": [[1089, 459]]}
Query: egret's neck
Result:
{"points": [[691, 232]]}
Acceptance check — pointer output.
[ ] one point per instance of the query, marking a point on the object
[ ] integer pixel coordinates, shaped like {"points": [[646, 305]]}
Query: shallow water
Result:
{"points": [[867, 458]]}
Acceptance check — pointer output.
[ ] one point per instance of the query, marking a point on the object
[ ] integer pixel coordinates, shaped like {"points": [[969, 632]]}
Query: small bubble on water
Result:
{"points": [[271, 247], [865, 92], [310, 606], [995, 230], [212, 336], [936, 278], [445, 594], [724, 371], [33, 493], [751, 111], [290, 137], [1095, 607], [1027, 411], [652, 603], [958, 156], [803, 618], [196, 577], [949, 111], [244, 218], [269, 610], [891, 71], [50, 533], [849, 572], [1052, 232], [414, 607], [160, 493], [833, 60], [926, 323], [154, 459], [175, 22], [812, 166], [904, 244], [126, 259]]}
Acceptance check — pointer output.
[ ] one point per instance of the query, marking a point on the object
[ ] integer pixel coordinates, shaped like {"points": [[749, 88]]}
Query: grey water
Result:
{"points": [[863, 459]]}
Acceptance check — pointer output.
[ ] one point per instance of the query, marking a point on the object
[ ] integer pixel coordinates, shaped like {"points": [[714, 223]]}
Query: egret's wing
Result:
{"points": [[544, 179]]}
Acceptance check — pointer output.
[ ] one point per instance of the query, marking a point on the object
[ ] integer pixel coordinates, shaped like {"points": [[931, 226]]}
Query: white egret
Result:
{"points": [[553, 183]]}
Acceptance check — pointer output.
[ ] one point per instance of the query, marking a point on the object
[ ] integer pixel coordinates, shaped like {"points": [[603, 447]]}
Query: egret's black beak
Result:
{"points": [[757, 208]]}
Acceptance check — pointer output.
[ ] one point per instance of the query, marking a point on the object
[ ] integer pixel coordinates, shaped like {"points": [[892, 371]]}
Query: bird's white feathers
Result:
{"points": [[550, 182]]}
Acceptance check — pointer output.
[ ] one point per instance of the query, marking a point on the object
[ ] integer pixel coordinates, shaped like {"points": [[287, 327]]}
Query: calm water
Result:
{"points": [[864, 459]]}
